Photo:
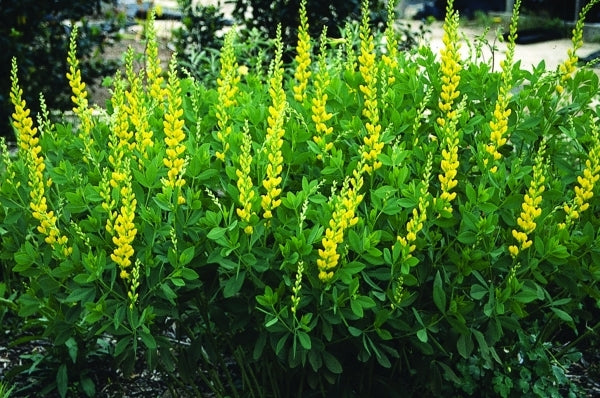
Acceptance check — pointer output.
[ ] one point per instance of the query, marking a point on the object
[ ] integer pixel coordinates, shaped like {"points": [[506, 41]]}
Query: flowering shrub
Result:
{"points": [[360, 221]]}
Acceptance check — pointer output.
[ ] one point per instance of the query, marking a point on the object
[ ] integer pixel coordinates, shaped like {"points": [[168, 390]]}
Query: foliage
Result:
{"points": [[37, 33], [422, 216], [199, 39]]}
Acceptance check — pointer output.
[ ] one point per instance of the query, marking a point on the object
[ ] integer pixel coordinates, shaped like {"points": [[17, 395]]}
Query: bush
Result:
{"points": [[363, 222], [37, 33]]}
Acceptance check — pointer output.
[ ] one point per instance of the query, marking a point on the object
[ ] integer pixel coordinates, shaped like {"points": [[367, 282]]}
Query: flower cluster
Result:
{"points": [[79, 96], [120, 140], [368, 69], [29, 148], [227, 88], [567, 68], [343, 217], [450, 66], [174, 136], [137, 112], [124, 230], [450, 69], [275, 133], [584, 191], [531, 206], [419, 215], [303, 60], [320, 116], [153, 69], [297, 287], [499, 122], [244, 183], [390, 58]]}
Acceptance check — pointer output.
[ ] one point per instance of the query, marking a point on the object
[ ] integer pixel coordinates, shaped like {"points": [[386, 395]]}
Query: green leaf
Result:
{"points": [[354, 331], [234, 284], [332, 363], [148, 340], [422, 335], [88, 386], [72, 348], [216, 233], [439, 296], [82, 294], [304, 340], [464, 345], [467, 237], [562, 314], [62, 380], [478, 292], [357, 309], [186, 256], [281, 344]]}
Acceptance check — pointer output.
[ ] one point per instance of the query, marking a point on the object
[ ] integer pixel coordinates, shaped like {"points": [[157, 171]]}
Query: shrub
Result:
{"points": [[355, 223]]}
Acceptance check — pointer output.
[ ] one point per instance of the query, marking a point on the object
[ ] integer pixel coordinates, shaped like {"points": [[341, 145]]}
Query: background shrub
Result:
{"points": [[37, 33]]}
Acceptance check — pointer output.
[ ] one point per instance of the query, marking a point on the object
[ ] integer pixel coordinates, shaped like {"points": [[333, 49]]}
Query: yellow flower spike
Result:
{"points": [[303, 60], [79, 97], [390, 58], [227, 89], [137, 112], [320, 116], [568, 67], [372, 145], [244, 182], [419, 214], [174, 135], [297, 287], [343, 217], [531, 209], [450, 66], [590, 175], [29, 149], [275, 133], [153, 68], [124, 230], [499, 122]]}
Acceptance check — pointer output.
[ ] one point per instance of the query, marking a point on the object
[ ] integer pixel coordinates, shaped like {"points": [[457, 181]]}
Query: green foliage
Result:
{"points": [[226, 236], [37, 34]]}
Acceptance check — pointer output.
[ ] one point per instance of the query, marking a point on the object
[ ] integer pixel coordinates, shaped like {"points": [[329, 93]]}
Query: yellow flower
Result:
{"points": [[297, 287], [244, 183], [320, 116], [450, 67], [174, 136], [275, 134], [124, 230], [531, 209], [499, 122], [120, 138], [590, 175], [137, 112], [303, 61], [79, 96], [568, 67], [30, 149], [390, 58], [153, 69], [343, 217], [419, 215], [372, 144], [227, 89]]}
